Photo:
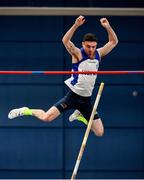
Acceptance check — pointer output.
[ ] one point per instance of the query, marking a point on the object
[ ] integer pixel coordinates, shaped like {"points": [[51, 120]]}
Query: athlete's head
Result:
{"points": [[89, 43]]}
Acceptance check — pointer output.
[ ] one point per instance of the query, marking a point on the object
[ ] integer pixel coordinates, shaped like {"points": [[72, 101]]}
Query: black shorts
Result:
{"points": [[73, 101]]}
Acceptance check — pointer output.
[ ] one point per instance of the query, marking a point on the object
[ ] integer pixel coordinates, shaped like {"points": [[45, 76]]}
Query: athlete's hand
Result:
{"points": [[104, 22], [80, 20]]}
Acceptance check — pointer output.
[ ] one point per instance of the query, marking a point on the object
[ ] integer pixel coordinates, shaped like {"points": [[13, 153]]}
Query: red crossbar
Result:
{"points": [[71, 72]]}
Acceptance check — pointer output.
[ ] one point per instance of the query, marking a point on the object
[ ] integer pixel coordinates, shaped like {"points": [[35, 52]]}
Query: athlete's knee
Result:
{"points": [[47, 117], [51, 114], [99, 132]]}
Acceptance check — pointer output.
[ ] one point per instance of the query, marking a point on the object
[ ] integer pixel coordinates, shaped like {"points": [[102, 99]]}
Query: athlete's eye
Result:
{"points": [[93, 47]]}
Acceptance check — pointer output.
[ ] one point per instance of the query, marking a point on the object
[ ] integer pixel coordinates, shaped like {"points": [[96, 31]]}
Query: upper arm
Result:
{"points": [[107, 48], [72, 49]]}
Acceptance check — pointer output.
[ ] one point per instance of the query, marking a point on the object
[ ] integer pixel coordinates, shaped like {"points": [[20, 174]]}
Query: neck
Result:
{"points": [[92, 56]]}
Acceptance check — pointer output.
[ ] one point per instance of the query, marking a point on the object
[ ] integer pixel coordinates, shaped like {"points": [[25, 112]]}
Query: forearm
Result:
{"points": [[112, 37], [67, 37]]}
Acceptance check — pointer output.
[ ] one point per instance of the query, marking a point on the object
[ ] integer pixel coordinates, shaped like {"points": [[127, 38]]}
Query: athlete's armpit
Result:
{"points": [[72, 49], [107, 48]]}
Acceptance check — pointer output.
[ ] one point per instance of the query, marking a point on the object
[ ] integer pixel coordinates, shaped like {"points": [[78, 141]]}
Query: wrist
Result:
{"points": [[108, 27], [76, 25]]}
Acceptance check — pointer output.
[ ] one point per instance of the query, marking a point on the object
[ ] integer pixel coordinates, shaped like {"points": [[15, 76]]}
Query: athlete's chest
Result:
{"points": [[89, 65]]}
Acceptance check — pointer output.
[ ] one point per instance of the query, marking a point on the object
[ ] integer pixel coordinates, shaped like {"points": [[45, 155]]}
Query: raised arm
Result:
{"points": [[112, 38], [71, 48]]}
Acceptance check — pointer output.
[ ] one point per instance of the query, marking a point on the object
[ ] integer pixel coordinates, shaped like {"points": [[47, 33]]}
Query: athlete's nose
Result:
{"points": [[91, 48]]}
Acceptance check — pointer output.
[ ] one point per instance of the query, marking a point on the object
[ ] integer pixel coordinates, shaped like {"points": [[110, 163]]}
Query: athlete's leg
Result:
{"points": [[50, 115], [97, 127], [76, 115], [67, 102]]}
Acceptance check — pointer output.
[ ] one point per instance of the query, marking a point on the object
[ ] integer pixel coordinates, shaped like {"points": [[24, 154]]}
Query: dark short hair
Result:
{"points": [[90, 37]]}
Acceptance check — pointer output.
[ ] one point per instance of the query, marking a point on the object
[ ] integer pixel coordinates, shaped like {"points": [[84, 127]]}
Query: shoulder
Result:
{"points": [[98, 54]]}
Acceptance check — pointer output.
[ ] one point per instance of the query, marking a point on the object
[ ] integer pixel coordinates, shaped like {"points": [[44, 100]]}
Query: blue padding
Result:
{"points": [[31, 174], [107, 174], [118, 150], [31, 56], [31, 28], [31, 149]]}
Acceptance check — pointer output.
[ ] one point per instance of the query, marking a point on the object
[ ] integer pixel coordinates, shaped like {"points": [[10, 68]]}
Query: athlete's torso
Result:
{"points": [[83, 84]]}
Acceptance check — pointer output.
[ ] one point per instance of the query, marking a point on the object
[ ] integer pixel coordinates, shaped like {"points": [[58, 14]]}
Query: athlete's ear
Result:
{"points": [[82, 43]]}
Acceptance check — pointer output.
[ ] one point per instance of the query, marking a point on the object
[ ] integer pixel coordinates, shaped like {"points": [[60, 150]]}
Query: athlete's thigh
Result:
{"points": [[86, 109], [66, 103]]}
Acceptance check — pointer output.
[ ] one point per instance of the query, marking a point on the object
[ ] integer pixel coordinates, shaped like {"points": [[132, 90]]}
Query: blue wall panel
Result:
{"points": [[107, 174], [30, 149], [31, 28], [119, 108], [36, 79], [31, 56], [31, 174], [118, 150]]}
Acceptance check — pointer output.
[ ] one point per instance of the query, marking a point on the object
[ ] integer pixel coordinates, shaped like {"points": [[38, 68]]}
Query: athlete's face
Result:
{"points": [[89, 47]]}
